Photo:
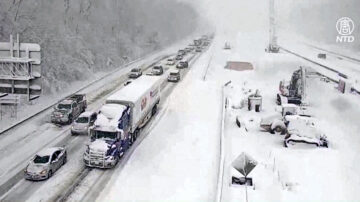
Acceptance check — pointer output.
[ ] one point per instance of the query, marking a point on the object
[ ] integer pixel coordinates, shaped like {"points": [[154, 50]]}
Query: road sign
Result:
{"points": [[244, 164]]}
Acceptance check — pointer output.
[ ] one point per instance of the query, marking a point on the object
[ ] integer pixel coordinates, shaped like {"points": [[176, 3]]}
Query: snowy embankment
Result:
{"points": [[178, 160], [301, 173]]}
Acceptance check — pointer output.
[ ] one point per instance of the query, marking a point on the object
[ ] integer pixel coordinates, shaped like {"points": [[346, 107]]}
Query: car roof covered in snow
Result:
{"points": [[86, 114], [48, 151], [133, 92], [175, 71]]}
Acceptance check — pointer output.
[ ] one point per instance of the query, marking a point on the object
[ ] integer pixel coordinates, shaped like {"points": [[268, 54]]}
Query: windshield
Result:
{"points": [[174, 74], [134, 70], [82, 120], [106, 135], [64, 106], [41, 159]]}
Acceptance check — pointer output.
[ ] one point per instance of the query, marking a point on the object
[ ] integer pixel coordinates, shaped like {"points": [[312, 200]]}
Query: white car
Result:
{"points": [[170, 62], [174, 76], [83, 122], [43, 165]]}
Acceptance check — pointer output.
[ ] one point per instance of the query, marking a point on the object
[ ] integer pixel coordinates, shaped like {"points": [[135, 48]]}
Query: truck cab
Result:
{"points": [[109, 137]]}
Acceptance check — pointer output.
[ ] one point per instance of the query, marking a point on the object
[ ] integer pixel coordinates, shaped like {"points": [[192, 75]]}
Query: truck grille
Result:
{"points": [[96, 158]]}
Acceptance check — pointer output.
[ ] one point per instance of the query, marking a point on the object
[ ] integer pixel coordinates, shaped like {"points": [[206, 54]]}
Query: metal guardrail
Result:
{"points": [[340, 74], [220, 182]]}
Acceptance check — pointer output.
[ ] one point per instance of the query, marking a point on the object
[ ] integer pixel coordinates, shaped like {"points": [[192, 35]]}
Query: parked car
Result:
{"points": [[198, 49], [182, 64], [157, 70], [179, 57], [69, 109], [45, 163], [170, 61], [174, 76], [83, 122], [135, 73]]}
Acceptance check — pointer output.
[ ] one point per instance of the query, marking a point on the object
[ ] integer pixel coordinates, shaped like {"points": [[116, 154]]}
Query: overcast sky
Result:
{"points": [[315, 19]]}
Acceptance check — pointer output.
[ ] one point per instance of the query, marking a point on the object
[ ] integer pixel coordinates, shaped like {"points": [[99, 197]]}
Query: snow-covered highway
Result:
{"points": [[44, 135]]}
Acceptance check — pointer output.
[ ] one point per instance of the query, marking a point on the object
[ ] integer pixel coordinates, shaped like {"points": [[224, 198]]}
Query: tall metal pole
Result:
{"points": [[272, 28], [246, 190]]}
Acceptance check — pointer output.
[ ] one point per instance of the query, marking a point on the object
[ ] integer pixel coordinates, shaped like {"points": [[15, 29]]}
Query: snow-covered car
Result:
{"points": [[182, 64], [43, 165], [170, 62], [135, 73], [301, 129], [157, 70], [174, 76], [198, 49], [83, 122]]}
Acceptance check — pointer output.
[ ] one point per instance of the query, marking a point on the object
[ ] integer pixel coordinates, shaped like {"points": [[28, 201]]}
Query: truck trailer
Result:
{"points": [[120, 120]]}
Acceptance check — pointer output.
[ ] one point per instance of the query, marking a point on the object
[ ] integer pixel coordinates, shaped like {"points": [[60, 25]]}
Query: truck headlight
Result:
{"points": [[109, 158]]}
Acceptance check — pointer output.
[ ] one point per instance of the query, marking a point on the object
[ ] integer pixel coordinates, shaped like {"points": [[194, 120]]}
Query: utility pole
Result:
{"points": [[273, 47]]}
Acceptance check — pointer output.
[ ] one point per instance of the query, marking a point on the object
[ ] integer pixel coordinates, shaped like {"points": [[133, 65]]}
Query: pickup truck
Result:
{"points": [[69, 109]]}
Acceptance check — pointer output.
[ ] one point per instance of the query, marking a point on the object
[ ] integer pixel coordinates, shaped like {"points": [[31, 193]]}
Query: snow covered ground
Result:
{"points": [[309, 50], [302, 173], [178, 161]]}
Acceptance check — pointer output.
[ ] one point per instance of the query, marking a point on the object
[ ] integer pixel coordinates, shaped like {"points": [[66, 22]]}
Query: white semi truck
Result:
{"points": [[120, 119]]}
